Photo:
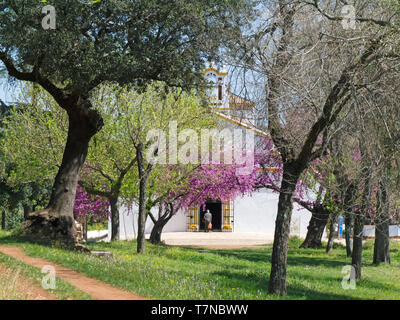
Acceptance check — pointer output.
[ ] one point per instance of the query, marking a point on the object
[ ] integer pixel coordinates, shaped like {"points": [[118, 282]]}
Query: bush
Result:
{"points": [[295, 242], [14, 219]]}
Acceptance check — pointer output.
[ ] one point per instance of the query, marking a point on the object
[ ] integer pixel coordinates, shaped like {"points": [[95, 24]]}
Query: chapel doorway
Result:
{"points": [[215, 208]]}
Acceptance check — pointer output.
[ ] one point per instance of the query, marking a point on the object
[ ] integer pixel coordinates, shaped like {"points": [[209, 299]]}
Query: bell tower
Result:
{"points": [[219, 93]]}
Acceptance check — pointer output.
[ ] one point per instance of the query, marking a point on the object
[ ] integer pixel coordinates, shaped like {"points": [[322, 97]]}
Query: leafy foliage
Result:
{"points": [[95, 208], [128, 42]]}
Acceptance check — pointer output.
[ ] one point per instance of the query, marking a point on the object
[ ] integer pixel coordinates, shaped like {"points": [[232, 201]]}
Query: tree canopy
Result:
{"points": [[121, 42], [128, 42]]}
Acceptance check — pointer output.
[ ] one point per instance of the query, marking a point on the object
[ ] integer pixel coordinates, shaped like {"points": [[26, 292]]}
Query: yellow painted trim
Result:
{"points": [[215, 70], [239, 123], [247, 126], [192, 219], [227, 215], [270, 169], [221, 108]]}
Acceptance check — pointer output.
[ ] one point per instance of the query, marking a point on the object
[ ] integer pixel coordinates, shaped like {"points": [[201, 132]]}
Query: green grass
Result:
{"points": [[64, 290], [165, 272]]}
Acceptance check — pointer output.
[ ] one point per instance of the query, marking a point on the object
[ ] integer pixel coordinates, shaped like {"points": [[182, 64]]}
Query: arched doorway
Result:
{"points": [[215, 208]]}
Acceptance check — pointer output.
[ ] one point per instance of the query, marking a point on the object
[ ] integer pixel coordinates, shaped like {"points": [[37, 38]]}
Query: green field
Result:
{"points": [[166, 272]]}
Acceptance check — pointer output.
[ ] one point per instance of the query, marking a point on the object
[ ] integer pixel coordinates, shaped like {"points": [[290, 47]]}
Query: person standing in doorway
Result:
{"points": [[207, 220]]}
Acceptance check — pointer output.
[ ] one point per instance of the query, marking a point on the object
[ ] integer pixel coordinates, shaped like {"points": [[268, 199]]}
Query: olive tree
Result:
{"points": [[87, 43]]}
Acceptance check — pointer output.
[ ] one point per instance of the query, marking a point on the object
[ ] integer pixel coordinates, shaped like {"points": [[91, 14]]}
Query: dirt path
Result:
{"points": [[95, 288], [16, 284]]}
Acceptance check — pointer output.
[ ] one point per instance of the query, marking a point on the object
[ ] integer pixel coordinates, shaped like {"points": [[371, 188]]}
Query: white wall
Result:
{"points": [[369, 231], [300, 220], [255, 213], [128, 220]]}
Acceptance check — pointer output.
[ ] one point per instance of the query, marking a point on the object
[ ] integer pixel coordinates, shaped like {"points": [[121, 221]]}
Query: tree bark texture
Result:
{"points": [[142, 215], [57, 220], [382, 240], [27, 210], [3, 220], [329, 245], [114, 219], [277, 280], [315, 229], [357, 243], [155, 236], [358, 228]]}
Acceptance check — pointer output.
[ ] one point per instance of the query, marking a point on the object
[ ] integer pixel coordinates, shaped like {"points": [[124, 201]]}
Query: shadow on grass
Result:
{"points": [[15, 239], [257, 255], [300, 292], [255, 282], [314, 261], [264, 255]]}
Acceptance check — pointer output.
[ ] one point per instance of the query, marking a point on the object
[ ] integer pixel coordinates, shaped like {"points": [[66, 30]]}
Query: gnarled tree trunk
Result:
{"points": [[155, 236], [357, 243], [277, 280], [315, 229], [57, 220], [359, 226], [332, 223], [382, 240]]}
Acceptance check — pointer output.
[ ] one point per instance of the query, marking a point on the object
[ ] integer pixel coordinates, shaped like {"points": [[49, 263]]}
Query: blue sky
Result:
{"points": [[5, 90], [2, 95]]}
